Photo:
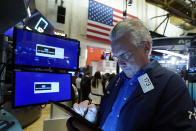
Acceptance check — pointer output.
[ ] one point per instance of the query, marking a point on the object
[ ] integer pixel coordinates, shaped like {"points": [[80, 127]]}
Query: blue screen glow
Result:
{"points": [[41, 50], [34, 88]]}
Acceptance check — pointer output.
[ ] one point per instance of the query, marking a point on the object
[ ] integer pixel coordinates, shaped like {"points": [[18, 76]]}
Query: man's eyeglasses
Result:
{"points": [[124, 56]]}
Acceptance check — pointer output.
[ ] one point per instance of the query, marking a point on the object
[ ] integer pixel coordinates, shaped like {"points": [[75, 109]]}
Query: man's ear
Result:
{"points": [[147, 47]]}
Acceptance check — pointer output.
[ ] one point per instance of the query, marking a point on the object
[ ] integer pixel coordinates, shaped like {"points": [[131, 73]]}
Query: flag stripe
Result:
{"points": [[131, 16], [116, 10], [94, 31], [97, 29], [97, 26], [98, 38], [118, 16], [98, 35], [118, 19], [115, 20], [100, 24]]}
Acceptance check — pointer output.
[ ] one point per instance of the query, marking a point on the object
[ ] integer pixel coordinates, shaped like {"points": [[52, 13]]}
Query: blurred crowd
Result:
{"points": [[87, 87]]}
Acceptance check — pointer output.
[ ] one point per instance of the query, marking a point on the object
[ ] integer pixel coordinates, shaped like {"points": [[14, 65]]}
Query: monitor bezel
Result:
{"points": [[19, 66], [13, 98]]}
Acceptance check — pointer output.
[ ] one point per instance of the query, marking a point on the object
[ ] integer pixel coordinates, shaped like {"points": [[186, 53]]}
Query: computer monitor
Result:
{"points": [[34, 49], [37, 88]]}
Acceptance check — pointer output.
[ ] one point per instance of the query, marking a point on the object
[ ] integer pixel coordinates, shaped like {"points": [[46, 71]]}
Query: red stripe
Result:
{"points": [[115, 20], [118, 16], [100, 27], [131, 16], [97, 32], [98, 38], [116, 10]]}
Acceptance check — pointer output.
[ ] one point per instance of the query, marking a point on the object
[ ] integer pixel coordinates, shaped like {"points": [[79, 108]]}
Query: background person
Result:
{"points": [[97, 88]]}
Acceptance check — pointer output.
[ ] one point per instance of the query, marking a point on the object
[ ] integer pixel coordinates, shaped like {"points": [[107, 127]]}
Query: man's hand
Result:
{"points": [[83, 108]]}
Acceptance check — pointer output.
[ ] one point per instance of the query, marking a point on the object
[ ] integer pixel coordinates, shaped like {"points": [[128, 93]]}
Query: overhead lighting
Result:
{"points": [[173, 60], [172, 53], [165, 56]]}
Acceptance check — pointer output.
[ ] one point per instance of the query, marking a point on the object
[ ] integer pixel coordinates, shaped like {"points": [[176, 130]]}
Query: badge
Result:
{"points": [[145, 83]]}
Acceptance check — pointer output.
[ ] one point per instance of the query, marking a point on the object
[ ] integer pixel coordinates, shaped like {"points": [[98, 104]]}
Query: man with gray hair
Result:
{"points": [[144, 96]]}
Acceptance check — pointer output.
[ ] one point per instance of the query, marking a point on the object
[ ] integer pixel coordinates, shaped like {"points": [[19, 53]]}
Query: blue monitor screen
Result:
{"points": [[35, 88], [34, 49]]}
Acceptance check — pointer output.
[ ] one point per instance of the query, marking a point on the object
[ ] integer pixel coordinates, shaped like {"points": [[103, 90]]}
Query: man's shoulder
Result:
{"points": [[156, 70], [161, 71], [167, 79]]}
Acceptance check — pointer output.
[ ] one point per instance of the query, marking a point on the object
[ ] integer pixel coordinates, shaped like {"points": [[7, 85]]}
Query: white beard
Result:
{"points": [[131, 71]]}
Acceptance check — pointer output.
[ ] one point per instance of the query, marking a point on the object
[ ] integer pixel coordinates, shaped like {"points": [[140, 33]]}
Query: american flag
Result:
{"points": [[101, 19]]}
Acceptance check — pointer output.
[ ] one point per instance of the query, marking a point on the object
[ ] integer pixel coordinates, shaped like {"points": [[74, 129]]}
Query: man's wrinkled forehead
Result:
{"points": [[118, 49], [125, 43]]}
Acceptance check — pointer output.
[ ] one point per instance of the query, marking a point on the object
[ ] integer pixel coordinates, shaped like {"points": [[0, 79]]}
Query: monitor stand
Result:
{"points": [[57, 120]]}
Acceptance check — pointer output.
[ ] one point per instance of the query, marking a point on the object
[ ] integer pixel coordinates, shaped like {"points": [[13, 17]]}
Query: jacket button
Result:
{"points": [[108, 92], [131, 84]]}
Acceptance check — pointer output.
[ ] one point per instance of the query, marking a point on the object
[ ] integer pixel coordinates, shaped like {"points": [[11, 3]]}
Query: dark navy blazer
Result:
{"points": [[165, 108]]}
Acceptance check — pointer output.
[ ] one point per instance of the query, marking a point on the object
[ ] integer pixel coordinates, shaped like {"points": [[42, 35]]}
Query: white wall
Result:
{"points": [[77, 13]]}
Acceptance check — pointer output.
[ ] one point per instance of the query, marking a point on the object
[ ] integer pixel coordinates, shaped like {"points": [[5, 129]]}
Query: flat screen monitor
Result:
{"points": [[41, 50], [37, 88]]}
